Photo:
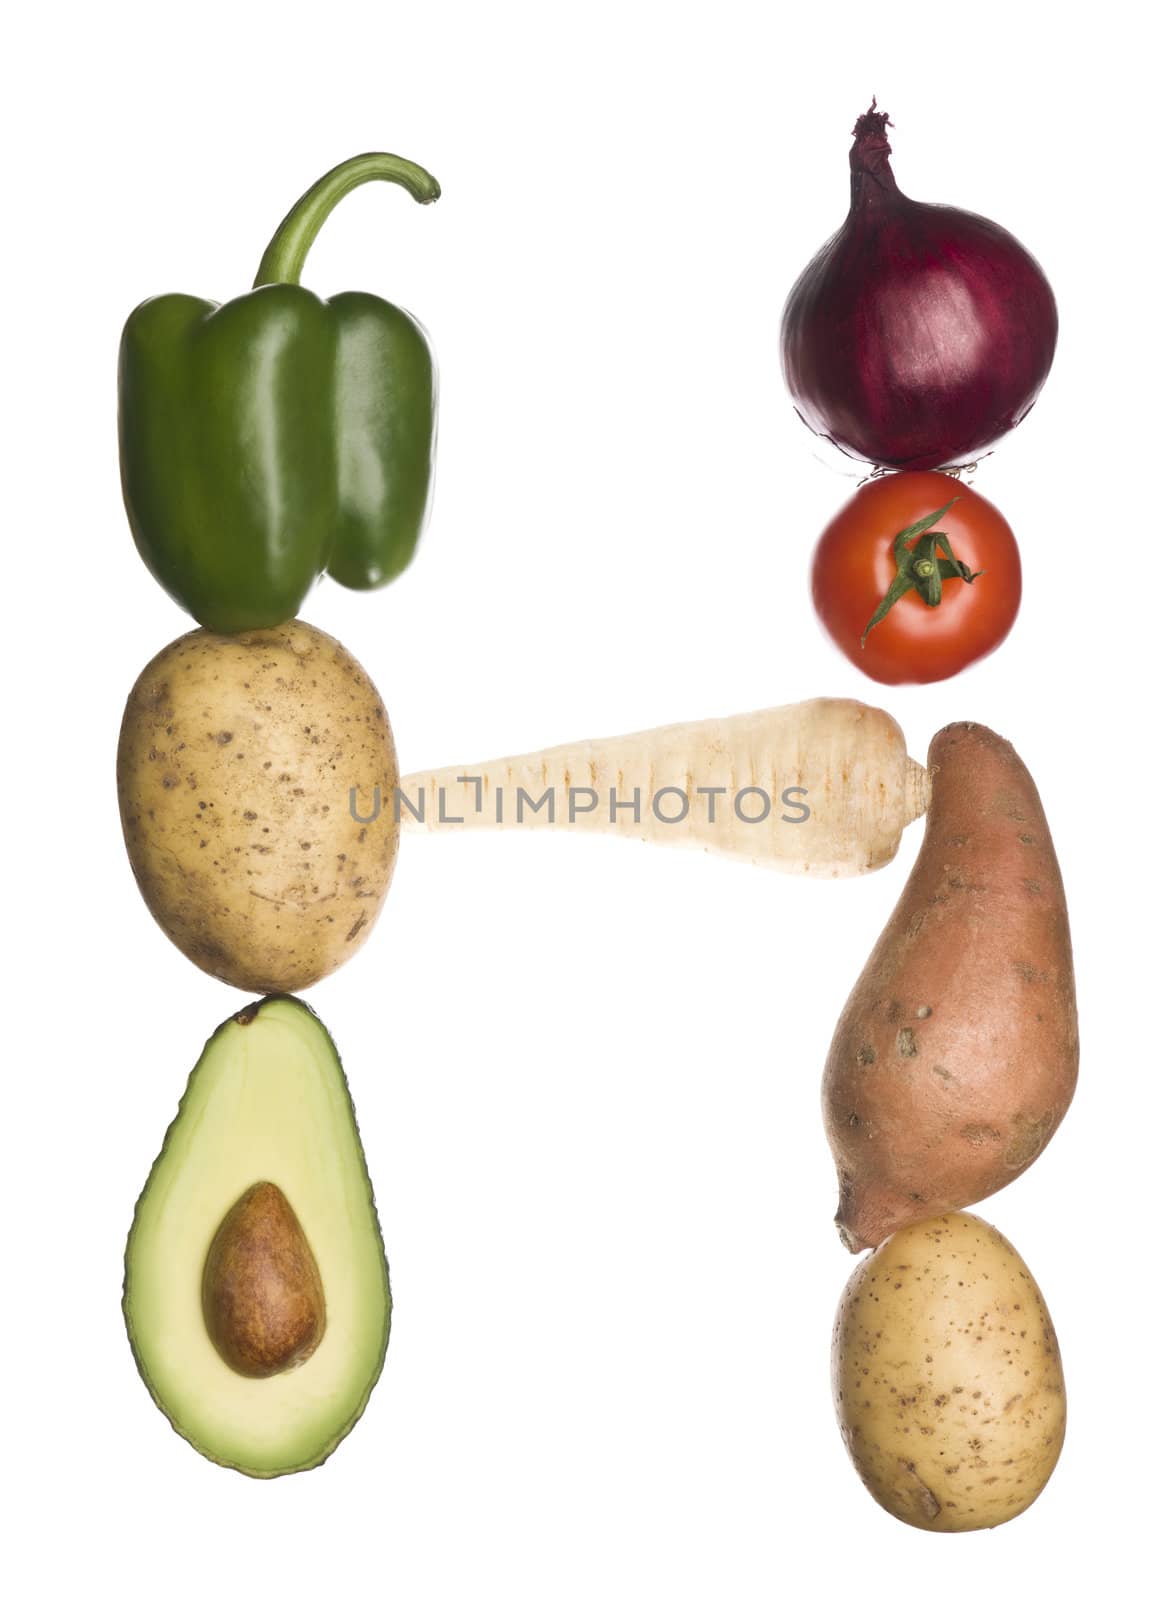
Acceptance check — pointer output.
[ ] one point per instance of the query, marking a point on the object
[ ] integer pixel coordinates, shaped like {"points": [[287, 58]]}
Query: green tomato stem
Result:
{"points": [[920, 567]]}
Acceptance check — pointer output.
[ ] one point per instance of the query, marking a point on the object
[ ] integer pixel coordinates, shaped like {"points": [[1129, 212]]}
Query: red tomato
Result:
{"points": [[854, 565]]}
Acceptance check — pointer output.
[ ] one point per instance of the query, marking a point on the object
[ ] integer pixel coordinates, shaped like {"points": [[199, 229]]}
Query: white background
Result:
{"points": [[587, 1072]]}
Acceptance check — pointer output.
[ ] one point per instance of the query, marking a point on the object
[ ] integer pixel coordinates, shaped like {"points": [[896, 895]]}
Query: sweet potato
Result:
{"points": [[955, 1057]]}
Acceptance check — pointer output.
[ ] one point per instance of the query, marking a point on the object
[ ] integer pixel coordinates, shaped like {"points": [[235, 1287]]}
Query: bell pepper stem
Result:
{"points": [[284, 258]]}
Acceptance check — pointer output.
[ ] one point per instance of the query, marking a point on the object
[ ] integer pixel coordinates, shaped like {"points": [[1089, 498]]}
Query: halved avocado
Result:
{"points": [[267, 1104]]}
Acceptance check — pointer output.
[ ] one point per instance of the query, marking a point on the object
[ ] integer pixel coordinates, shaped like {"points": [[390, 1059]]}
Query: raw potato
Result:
{"points": [[947, 1375], [237, 757], [955, 1057]]}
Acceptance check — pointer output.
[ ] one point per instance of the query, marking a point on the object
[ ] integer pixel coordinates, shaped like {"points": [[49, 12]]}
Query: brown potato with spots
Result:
{"points": [[238, 755], [947, 1376], [955, 1057]]}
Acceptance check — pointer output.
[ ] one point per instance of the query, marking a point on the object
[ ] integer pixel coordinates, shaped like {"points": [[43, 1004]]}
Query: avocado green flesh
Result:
{"points": [[266, 1101]]}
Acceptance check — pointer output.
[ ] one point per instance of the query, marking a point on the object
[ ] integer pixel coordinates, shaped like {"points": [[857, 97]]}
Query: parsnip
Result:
{"points": [[824, 787]]}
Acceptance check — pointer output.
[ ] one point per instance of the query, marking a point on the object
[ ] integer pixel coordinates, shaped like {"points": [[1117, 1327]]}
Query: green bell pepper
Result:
{"points": [[278, 436]]}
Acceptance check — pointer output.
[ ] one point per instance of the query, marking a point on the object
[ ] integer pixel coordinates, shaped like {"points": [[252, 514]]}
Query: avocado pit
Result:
{"points": [[261, 1293]]}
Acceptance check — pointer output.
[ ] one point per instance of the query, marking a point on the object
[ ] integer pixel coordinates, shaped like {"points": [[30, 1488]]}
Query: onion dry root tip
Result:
{"points": [[872, 123]]}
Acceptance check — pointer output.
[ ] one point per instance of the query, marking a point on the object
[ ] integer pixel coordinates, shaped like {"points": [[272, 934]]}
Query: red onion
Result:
{"points": [[920, 334]]}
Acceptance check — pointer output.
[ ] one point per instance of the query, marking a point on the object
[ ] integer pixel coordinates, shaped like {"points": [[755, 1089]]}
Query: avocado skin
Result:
{"points": [[243, 1018]]}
